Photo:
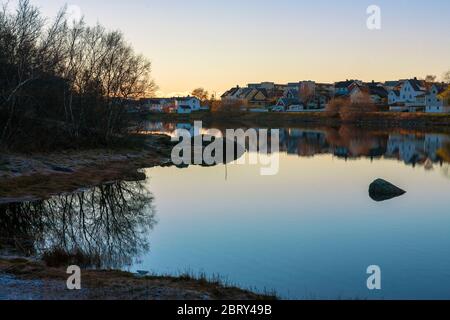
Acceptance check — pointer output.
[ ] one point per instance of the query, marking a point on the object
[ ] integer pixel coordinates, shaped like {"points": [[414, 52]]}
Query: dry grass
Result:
{"points": [[122, 285]]}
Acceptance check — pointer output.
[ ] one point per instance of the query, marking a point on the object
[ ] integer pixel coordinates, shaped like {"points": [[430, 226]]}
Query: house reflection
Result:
{"points": [[418, 150], [104, 227], [350, 142]]}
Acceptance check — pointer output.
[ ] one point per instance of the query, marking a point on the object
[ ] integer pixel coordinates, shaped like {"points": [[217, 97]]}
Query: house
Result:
{"points": [[318, 102], [315, 96], [184, 109], [326, 89], [191, 102], [437, 99], [293, 85], [130, 105], [372, 92], [269, 86], [231, 94], [251, 97], [183, 105], [287, 102], [153, 104], [343, 88], [288, 105], [291, 93], [272, 91], [358, 93], [409, 96], [257, 98], [391, 85], [378, 94], [295, 108], [307, 87], [169, 105]]}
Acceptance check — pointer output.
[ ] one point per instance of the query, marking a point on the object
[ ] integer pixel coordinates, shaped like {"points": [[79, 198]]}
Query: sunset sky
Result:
{"points": [[221, 43]]}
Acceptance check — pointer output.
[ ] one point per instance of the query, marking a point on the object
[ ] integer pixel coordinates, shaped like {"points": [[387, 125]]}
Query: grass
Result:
{"points": [[58, 258], [215, 284], [120, 284]]}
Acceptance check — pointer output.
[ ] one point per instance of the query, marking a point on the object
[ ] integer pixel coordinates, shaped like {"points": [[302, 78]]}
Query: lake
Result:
{"points": [[308, 232]]}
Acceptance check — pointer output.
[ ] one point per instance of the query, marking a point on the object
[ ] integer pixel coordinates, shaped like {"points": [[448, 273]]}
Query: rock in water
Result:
{"points": [[381, 190]]}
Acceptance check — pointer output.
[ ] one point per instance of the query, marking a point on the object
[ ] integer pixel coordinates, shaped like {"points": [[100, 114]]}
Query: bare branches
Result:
{"points": [[74, 72]]}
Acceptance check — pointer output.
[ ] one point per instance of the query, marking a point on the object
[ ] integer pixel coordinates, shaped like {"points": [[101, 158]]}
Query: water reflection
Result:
{"points": [[350, 142], [107, 226]]}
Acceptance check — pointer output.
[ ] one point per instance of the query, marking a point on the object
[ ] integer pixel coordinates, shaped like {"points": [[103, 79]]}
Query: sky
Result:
{"points": [[217, 44]]}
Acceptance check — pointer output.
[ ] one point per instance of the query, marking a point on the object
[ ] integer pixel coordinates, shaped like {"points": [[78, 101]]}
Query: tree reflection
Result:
{"points": [[106, 225]]}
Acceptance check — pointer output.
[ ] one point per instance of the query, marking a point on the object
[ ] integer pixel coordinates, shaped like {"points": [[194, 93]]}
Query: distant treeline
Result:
{"points": [[63, 83]]}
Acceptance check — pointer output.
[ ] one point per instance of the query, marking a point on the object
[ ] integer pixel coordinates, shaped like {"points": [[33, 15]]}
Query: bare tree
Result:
{"points": [[446, 77], [201, 94], [430, 78], [306, 93], [66, 73]]}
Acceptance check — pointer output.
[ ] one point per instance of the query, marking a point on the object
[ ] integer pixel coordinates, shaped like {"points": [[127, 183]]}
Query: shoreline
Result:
{"points": [[34, 280], [38, 177]]}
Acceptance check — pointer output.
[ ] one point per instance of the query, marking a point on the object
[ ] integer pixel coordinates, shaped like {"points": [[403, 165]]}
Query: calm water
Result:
{"points": [[310, 231]]}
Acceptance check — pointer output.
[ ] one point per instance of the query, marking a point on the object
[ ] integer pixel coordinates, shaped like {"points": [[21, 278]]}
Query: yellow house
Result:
{"points": [[258, 99], [445, 97], [438, 99]]}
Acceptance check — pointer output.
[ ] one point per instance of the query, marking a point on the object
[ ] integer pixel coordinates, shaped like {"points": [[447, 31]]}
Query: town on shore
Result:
{"points": [[405, 95]]}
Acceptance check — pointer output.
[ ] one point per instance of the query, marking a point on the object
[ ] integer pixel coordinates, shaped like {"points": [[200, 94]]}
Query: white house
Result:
{"points": [[154, 104], [187, 104], [433, 143], [295, 108], [410, 97], [288, 105], [408, 148], [435, 101], [191, 102]]}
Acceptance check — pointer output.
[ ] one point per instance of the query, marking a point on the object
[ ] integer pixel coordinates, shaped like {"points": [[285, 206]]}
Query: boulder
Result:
{"points": [[381, 190]]}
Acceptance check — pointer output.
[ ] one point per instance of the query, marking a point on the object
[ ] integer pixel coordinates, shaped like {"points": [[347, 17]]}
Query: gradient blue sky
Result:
{"points": [[218, 44]]}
